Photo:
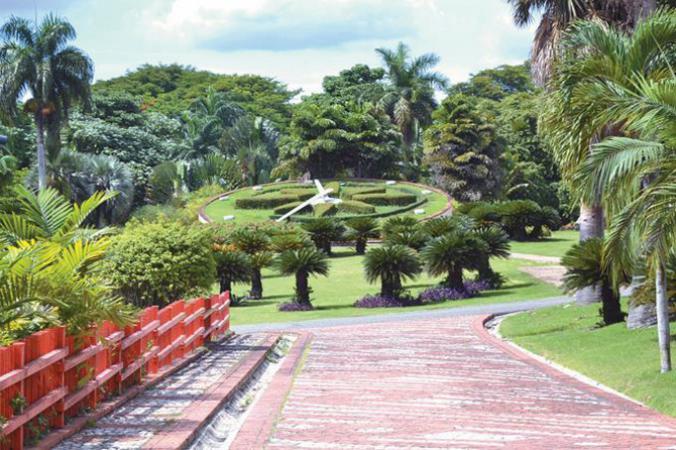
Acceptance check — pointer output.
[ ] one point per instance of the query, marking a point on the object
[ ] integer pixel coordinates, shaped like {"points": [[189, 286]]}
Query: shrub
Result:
{"points": [[390, 264], [361, 229], [301, 194], [386, 199], [521, 219], [355, 207], [441, 294], [301, 264], [323, 231], [349, 193], [155, 263], [294, 307], [325, 210], [265, 201], [335, 186], [153, 213], [281, 210], [164, 182], [381, 301]]}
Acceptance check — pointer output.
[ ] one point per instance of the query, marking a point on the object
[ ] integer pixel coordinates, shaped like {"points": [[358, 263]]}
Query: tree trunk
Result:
{"points": [[42, 158], [360, 246], [302, 289], [612, 310], [663, 332], [256, 285], [591, 226], [326, 247], [454, 280], [386, 287], [226, 284], [484, 269]]}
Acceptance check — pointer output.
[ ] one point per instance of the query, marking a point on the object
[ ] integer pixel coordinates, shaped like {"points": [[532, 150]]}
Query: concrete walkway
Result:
{"points": [[444, 383]]}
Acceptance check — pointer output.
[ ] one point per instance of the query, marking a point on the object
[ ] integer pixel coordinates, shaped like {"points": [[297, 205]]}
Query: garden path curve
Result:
{"points": [[442, 383]]}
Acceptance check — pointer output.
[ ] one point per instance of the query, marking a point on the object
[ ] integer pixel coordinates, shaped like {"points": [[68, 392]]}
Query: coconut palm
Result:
{"points": [[360, 230], [390, 264], [255, 243], [409, 100], [497, 246], [37, 59], [302, 263], [450, 254], [323, 231], [557, 15], [586, 263]]}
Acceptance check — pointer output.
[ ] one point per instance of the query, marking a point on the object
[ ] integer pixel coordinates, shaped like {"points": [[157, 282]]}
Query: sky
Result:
{"points": [[295, 41]]}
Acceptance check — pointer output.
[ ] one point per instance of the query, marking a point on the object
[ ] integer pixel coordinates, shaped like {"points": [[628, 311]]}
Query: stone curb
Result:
{"points": [[479, 327], [259, 424], [181, 433], [78, 423]]}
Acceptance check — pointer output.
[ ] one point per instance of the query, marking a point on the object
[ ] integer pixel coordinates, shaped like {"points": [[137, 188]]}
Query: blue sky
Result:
{"points": [[295, 41]]}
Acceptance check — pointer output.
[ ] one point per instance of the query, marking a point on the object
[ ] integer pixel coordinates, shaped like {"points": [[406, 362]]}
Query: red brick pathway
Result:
{"points": [[446, 384]]}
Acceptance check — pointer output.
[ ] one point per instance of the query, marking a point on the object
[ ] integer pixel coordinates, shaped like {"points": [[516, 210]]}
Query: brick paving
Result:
{"points": [[154, 410], [446, 383]]}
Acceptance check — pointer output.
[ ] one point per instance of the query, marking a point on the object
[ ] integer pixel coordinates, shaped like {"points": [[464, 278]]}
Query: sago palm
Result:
{"points": [[497, 246], [360, 230], [37, 59], [450, 254], [232, 266], [255, 243], [323, 231], [390, 264], [302, 263]]}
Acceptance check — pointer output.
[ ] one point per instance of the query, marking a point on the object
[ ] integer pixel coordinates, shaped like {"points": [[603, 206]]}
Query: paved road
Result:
{"points": [[498, 308], [446, 383]]}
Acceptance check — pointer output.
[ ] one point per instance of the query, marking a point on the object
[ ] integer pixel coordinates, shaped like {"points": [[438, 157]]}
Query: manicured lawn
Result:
{"points": [[335, 295], [625, 360], [557, 245], [436, 202]]}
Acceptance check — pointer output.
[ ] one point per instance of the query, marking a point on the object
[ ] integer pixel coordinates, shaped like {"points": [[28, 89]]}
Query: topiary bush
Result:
{"points": [[350, 192], [265, 201], [301, 194], [281, 210], [355, 207], [386, 199], [521, 219], [325, 210], [155, 263]]}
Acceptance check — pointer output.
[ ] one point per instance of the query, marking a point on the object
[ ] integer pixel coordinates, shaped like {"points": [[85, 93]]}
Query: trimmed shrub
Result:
{"points": [[325, 210], [351, 192], [265, 201], [301, 194], [155, 263], [335, 185], [355, 207], [281, 210], [386, 199], [521, 219]]}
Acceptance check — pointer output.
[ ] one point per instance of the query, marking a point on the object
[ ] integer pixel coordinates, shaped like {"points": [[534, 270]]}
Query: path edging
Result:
{"points": [[260, 422], [551, 369]]}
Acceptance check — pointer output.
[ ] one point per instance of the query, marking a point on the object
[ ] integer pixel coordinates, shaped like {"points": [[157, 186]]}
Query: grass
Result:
{"points": [[625, 360], [333, 296], [556, 245], [436, 202]]}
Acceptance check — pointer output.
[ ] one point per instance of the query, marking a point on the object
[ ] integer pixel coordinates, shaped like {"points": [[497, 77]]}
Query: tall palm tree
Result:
{"points": [[37, 59], [409, 100], [391, 263], [302, 263]]}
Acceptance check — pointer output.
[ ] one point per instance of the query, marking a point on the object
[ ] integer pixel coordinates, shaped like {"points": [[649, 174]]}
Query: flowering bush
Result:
{"points": [[440, 294], [293, 306], [379, 301]]}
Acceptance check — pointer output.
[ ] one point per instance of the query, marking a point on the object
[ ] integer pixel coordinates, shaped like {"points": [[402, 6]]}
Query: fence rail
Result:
{"points": [[49, 377]]}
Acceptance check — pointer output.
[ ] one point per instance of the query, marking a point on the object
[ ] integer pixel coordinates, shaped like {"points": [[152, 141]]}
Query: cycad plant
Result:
{"points": [[390, 264], [451, 253], [360, 230], [497, 246], [302, 263], [586, 263], [232, 266], [323, 231], [255, 243]]}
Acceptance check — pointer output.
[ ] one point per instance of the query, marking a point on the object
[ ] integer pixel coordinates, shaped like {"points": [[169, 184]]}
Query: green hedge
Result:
{"points": [[349, 193], [386, 199], [335, 185], [355, 207], [325, 209], [266, 201], [281, 210], [521, 219], [301, 193]]}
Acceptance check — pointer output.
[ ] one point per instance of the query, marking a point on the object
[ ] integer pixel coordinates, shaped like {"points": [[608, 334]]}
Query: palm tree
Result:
{"points": [[409, 100], [597, 60], [253, 142], [361, 229], [232, 267], [557, 15], [302, 263], [450, 254], [586, 263], [255, 243], [391, 263], [38, 59], [214, 169], [497, 246], [323, 231]]}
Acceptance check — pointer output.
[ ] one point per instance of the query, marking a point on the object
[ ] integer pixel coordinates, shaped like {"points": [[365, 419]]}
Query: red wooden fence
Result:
{"points": [[49, 377]]}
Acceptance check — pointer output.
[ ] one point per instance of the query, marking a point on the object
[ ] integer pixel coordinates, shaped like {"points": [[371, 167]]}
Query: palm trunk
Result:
{"points": [[612, 310], [454, 280], [256, 285], [360, 246], [225, 283], [663, 332], [591, 226], [302, 288], [42, 158]]}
